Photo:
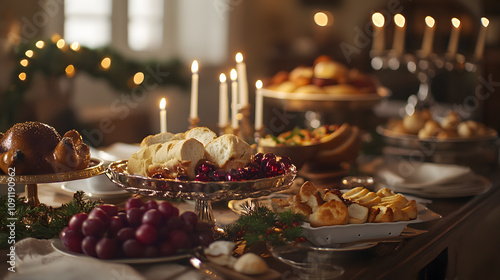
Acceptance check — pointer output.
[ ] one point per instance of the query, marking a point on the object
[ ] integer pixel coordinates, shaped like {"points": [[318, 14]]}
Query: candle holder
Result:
{"points": [[424, 68], [246, 126], [224, 129], [193, 122]]}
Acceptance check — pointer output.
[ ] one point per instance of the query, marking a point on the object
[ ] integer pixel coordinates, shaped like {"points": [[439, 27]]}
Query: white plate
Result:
{"points": [[98, 186], [59, 247]]}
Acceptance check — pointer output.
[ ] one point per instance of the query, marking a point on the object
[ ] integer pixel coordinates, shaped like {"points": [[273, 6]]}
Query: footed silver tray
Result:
{"points": [[203, 192]]}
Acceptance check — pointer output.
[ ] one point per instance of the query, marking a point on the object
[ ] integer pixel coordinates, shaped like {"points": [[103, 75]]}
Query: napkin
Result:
{"points": [[37, 259]]}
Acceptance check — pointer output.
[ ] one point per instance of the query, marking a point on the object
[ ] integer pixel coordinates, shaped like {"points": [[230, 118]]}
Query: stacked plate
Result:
{"points": [[432, 180]]}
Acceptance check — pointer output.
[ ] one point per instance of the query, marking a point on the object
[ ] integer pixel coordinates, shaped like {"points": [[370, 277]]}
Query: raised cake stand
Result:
{"points": [[95, 168], [203, 192]]}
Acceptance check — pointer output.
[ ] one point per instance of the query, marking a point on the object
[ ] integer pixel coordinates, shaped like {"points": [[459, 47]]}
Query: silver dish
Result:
{"points": [[213, 191]]}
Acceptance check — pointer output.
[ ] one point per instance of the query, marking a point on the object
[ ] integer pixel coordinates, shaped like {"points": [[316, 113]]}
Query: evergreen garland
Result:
{"points": [[41, 221], [51, 61], [259, 223]]}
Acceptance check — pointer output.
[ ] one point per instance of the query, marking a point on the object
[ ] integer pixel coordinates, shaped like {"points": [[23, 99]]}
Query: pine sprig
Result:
{"points": [[43, 221], [259, 223]]}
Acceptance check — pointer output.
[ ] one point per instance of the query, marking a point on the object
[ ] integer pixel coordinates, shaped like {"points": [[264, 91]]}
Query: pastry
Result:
{"points": [[36, 148], [250, 264]]}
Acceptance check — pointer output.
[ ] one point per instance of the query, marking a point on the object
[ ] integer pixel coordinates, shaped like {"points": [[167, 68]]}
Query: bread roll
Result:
{"points": [[140, 161], [358, 214], [229, 151], [202, 134], [329, 214], [161, 138], [250, 264], [190, 151]]}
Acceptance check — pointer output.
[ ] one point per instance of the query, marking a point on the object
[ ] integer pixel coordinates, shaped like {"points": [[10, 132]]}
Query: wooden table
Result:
{"points": [[462, 244]]}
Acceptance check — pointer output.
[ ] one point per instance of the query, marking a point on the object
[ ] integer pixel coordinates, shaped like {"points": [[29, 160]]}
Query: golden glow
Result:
{"points": [[455, 22], [29, 53], [485, 22], [55, 37], [24, 62], [40, 44], [60, 43], [378, 19], [22, 76], [70, 71], [75, 46], [239, 57], [321, 18], [233, 75], [430, 21], [222, 78], [258, 84], [399, 20], [163, 103], [138, 78], [106, 63], [194, 66]]}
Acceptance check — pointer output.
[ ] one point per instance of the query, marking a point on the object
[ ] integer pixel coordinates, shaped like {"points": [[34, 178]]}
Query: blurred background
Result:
{"points": [[102, 66]]}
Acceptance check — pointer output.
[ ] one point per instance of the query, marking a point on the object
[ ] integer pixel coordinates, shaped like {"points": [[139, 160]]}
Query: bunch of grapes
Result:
{"points": [[144, 230], [261, 166]]}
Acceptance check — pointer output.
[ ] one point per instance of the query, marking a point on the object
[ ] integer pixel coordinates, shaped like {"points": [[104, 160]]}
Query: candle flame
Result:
{"points": [[321, 19], [399, 20], [163, 103], [430, 21], [485, 22], [378, 19], [258, 84], [239, 57], [234, 75], [40, 44], [194, 66], [75, 46], [222, 78], [455, 22]]}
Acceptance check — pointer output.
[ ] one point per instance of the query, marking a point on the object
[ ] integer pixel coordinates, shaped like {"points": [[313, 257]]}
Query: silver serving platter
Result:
{"points": [[432, 143], [212, 191]]}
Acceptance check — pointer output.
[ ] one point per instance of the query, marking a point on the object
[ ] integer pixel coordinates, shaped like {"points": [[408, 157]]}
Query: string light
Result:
{"points": [[138, 78], [75, 46], [40, 44], [61, 43], [22, 76], [55, 38], [29, 53], [24, 62], [106, 63], [70, 71]]}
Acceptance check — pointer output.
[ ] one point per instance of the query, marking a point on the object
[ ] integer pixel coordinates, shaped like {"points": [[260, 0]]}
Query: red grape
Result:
{"points": [[106, 248], [133, 202], [175, 223], [134, 217], [75, 223], [179, 239], [151, 252], [166, 249], [146, 234], [133, 248], [72, 239], [93, 226], [190, 219], [151, 204], [205, 238], [63, 232], [203, 226], [125, 234], [99, 214], [168, 210], [123, 217], [115, 225], [88, 246], [152, 217], [110, 209]]}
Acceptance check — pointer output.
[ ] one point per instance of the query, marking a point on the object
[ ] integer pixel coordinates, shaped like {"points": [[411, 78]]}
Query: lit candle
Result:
{"points": [[378, 33], [259, 105], [234, 99], [194, 91], [428, 36], [223, 101], [455, 33], [163, 115], [241, 68], [399, 34], [478, 54]]}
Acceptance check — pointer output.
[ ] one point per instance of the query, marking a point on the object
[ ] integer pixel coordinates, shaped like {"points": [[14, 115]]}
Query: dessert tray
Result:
{"points": [[294, 101], [328, 236]]}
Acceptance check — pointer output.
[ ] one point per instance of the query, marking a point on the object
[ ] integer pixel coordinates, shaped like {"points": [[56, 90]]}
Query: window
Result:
{"points": [[145, 24]]}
